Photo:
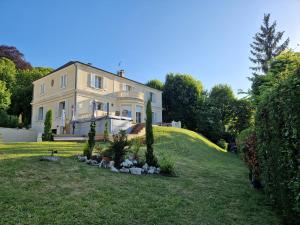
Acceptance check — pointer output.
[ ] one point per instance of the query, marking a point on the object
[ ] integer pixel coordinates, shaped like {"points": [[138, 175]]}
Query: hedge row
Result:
{"points": [[278, 146]]}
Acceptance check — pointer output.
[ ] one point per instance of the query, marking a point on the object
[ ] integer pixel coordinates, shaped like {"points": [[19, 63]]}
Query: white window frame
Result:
{"points": [[40, 117], [63, 81], [152, 96], [101, 82], [60, 112]]}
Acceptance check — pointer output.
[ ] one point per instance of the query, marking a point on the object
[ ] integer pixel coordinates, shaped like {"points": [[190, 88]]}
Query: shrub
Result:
{"points": [[47, 136], [8, 120], [136, 144], [86, 149], [118, 147], [167, 164], [105, 134], [91, 142], [278, 137], [222, 143], [150, 157]]}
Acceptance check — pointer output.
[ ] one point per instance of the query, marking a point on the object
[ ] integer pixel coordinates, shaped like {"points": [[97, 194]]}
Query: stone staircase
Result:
{"points": [[137, 128]]}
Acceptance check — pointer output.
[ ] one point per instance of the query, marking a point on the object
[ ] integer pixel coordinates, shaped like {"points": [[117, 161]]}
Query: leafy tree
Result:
{"points": [[14, 55], [150, 157], [4, 96], [47, 126], [266, 45], [7, 72], [23, 91], [181, 98], [221, 97], [242, 116], [157, 84]]}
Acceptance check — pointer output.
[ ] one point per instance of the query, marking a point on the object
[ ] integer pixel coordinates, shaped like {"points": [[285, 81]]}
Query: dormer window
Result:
{"points": [[42, 90], [63, 81]]}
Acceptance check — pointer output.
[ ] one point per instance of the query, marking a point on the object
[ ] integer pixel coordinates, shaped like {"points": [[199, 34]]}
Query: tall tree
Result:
{"points": [[266, 45], [157, 84], [4, 96], [181, 97], [150, 157], [7, 72], [14, 55], [23, 90]]}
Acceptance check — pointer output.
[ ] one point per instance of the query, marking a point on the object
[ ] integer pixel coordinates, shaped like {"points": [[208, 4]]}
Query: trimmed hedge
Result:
{"points": [[278, 141]]}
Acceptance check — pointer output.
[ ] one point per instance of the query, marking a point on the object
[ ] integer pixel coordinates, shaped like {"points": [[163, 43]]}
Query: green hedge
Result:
{"points": [[8, 120], [278, 137]]}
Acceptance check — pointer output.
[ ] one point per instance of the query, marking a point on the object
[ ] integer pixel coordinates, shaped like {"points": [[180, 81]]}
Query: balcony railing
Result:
{"points": [[130, 94]]}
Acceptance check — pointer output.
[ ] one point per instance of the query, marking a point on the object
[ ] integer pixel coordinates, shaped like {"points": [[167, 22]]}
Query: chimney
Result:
{"points": [[121, 73]]}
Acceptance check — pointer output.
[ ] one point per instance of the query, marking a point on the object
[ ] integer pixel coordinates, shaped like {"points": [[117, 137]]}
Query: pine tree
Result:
{"points": [[150, 157], [266, 45], [47, 126]]}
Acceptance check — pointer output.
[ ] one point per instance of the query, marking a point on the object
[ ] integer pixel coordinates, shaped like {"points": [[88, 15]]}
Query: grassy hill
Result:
{"points": [[211, 187]]}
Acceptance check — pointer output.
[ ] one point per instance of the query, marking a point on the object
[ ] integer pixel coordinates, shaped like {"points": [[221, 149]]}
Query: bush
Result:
{"points": [[8, 120], [222, 144], [167, 164], [278, 137], [105, 134], [136, 144], [47, 136], [91, 142], [119, 147]]}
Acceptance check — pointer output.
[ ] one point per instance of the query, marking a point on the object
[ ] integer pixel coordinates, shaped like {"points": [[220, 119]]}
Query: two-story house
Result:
{"points": [[74, 89]]}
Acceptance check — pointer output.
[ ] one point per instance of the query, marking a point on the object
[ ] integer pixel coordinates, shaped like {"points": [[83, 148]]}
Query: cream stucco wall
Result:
{"points": [[84, 94]]}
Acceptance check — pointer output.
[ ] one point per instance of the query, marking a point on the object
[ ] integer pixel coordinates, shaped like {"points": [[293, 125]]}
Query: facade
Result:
{"points": [[74, 89]]}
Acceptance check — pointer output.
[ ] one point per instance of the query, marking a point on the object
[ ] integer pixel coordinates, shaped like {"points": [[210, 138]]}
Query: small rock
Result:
{"points": [[111, 164], [127, 163], [151, 170], [134, 162], [114, 169], [157, 171], [124, 170], [104, 164], [82, 158], [49, 158], [145, 167], [135, 171]]}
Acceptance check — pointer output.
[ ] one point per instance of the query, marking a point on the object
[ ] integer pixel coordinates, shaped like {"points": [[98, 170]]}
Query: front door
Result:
{"points": [[138, 117]]}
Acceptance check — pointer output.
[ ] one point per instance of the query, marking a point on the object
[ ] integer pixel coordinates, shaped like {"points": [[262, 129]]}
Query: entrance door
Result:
{"points": [[138, 114], [138, 117]]}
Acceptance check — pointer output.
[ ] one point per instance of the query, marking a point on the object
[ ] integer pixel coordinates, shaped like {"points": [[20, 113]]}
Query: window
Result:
{"points": [[63, 81], [95, 81], [151, 96], [153, 117], [126, 87], [126, 111], [42, 89], [98, 82], [61, 107], [41, 113], [99, 105]]}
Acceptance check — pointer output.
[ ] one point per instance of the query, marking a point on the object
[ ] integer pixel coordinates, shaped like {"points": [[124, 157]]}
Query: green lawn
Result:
{"points": [[211, 187]]}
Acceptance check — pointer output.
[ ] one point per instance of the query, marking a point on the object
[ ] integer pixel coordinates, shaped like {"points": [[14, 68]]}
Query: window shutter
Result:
{"points": [[93, 80], [124, 87], [89, 80], [104, 106], [104, 83], [66, 80]]}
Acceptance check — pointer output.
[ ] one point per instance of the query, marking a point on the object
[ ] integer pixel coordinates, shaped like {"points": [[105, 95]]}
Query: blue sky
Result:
{"points": [[207, 39]]}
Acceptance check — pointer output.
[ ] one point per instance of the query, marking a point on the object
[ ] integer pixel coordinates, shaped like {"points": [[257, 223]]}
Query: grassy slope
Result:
{"points": [[211, 187]]}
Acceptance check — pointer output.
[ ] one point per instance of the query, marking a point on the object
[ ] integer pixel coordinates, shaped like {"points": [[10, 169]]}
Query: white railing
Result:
{"points": [[130, 94]]}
